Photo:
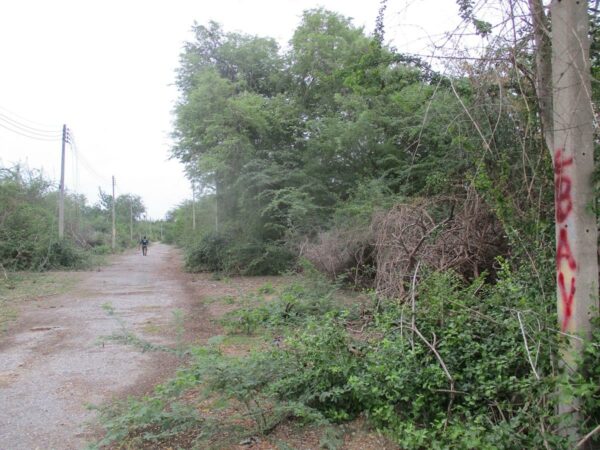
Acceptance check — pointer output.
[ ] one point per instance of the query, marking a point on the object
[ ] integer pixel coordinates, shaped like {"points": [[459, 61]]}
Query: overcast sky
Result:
{"points": [[106, 69]]}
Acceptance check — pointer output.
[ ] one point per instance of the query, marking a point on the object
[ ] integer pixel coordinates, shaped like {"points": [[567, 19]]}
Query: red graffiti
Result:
{"points": [[562, 186], [564, 206], [563, 250], [567, 299]]}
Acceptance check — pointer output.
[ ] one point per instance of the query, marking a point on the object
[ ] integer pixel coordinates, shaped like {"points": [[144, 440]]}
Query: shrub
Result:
{"points": [[460, 378], [259, 258], [219, 252], [64, 254], [458, 234], [298, 303], [207, 254]]}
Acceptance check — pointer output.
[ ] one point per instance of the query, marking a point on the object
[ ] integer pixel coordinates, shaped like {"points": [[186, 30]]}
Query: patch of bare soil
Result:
{"points": [[53, 364]]}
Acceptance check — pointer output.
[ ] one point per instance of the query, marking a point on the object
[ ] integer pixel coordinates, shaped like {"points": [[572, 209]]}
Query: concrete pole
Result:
{"points": [[193, 207], [61, 193], [114, 228], [130, 219], [573, 159]]}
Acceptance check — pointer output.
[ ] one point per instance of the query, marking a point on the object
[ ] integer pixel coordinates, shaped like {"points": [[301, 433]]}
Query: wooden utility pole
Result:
{"points": [[216, 207], [573, 159], [130, 219], [61, 194], [114, 228], [193, 206]]}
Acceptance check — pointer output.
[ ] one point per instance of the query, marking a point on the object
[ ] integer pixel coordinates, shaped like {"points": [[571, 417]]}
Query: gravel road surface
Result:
{"points": [[53, 364]]}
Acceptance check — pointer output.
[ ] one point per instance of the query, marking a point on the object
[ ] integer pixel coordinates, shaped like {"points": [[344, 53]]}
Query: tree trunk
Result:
{"points": [[543, 63]]}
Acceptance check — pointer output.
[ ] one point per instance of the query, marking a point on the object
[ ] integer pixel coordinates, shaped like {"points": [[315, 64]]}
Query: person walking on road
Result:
{"points": [[144, 243]]}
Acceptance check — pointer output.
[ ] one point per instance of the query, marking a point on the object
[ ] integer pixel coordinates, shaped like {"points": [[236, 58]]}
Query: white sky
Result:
{"points": [[106, 70]]}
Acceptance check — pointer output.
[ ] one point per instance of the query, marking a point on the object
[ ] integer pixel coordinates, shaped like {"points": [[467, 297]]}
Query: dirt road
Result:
{"points": [[53, 364]]}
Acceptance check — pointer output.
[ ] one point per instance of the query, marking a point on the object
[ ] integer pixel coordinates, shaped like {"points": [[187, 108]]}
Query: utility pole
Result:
{"points": [[161, 231], [193, 206], [216, 207], [130, 219], [61, 194], [573, 160], [114, 229]]}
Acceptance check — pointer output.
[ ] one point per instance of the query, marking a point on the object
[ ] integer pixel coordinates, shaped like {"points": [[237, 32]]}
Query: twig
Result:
{"points": [[444, 368], [543, 430], [413, 303], [527, 346], [438, 356], [587, 437]]}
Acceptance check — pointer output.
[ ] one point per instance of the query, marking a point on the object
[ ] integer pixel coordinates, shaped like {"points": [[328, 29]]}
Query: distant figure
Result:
{"points": [[144, 244]]}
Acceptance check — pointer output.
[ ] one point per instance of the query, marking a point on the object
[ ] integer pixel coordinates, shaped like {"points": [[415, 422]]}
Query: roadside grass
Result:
{"points": [[19, 287]]}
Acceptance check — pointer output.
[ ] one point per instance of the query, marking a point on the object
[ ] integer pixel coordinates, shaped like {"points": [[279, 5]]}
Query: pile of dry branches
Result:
{"points": [[457, 233], [441, 233], [347, 252]]}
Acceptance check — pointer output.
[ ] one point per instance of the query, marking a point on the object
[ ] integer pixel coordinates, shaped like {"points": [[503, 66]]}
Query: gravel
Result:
{"points": [[53, 364]]}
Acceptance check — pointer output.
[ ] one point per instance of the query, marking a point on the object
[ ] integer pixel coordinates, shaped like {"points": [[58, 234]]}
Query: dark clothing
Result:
{"points": [[144, 243]]}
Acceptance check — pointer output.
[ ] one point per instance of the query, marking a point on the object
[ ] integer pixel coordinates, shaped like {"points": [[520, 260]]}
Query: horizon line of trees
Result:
{"points": [[29, 224]]}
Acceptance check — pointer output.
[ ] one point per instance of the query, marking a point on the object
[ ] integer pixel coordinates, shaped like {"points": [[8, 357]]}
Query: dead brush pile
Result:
{"points": [[443, 233], [343, 252]]}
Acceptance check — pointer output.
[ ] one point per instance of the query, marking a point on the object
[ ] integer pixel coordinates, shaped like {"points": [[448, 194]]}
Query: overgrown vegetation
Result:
{"points": [[471, 365], [432, 191], [29, 225]]}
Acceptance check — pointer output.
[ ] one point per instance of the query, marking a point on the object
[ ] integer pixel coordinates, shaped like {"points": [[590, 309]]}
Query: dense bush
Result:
{"points": [[64, 254], [260, 258], [220, 252], [208, 253]]}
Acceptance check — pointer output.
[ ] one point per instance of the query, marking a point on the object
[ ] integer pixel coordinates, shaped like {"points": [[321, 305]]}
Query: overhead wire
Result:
{"points": [[30, 135], [81, 160], [26, 128], [33, 130], [32, 122]]}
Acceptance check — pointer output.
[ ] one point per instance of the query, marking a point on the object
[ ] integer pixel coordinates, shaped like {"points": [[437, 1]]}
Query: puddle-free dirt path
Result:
{"points": [[52, 365]]}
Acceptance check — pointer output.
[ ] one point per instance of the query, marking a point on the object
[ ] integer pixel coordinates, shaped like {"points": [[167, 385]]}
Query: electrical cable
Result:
{"points": [[28, 129], [83, 161], [33, 123], [30, 136]]}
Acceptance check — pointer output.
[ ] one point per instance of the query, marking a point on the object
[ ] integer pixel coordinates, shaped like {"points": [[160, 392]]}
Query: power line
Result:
{"points": [[19, 126], [30, 136], [36, 124], [81, 160], [27, 128]]}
